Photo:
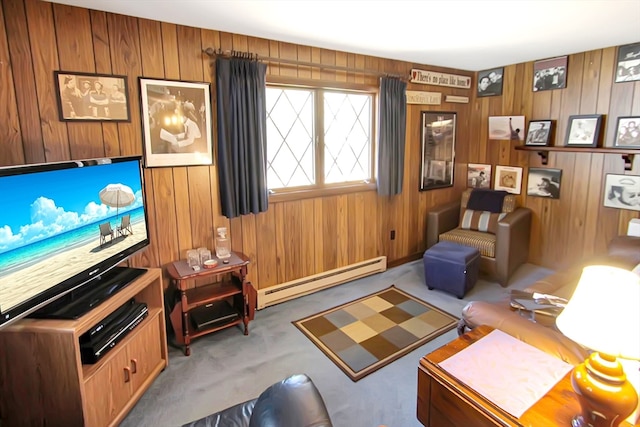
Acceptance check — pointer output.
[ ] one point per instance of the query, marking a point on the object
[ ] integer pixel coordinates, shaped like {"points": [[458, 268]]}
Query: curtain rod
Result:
{"points": [[294, 62]]}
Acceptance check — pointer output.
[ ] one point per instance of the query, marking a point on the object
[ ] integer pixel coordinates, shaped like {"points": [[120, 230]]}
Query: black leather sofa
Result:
{"points": [[292, 402]]}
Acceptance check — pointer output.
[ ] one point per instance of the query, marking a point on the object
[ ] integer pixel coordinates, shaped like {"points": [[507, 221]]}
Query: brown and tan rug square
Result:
{"points": [[366, 334]]}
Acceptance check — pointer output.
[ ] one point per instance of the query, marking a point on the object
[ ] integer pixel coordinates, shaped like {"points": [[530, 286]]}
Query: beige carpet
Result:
{"points": [[366, 334]]}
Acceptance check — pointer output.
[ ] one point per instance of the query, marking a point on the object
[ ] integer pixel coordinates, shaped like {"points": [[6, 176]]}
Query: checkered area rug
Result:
{"points": [[373, 331]]}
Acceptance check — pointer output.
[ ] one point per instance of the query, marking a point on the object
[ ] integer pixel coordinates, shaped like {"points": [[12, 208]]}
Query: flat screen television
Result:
{"points": [[64, 228]]}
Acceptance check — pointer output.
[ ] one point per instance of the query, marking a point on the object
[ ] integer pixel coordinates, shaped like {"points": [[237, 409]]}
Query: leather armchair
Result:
{"points": [[511, 243], [292, 402]]}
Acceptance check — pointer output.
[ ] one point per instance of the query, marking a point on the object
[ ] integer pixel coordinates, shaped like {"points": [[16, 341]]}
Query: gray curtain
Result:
{"points": [[242, 136], [391, 139]]}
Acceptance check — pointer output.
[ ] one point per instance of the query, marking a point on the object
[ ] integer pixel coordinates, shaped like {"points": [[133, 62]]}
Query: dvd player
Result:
{"points": [[102, 337]]}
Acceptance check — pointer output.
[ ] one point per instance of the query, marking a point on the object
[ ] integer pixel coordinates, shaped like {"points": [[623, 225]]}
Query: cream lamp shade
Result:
{"points": [[604, 312]]}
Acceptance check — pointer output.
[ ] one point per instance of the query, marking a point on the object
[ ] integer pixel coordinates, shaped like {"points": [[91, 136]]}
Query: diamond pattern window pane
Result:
{"points": [[290, 135], [347, 137]]}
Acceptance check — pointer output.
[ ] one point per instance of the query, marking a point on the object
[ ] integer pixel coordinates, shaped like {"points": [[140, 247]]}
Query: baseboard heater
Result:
{"points": [[307, 285]]}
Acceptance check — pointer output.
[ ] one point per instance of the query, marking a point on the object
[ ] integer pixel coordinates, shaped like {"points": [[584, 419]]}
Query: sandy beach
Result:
{"points": [[20, 286]]}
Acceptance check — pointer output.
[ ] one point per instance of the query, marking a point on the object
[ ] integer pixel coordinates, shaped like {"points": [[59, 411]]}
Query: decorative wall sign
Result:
{"points": [[440, 79], [424, 98], [457, 99]]}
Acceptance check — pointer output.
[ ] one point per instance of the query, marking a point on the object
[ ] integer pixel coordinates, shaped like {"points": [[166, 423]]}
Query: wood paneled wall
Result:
{"points": [[577, 225], [294, 239]]}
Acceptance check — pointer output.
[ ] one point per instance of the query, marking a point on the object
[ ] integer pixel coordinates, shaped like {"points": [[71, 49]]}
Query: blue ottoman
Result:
{"points": [[451, 267]]}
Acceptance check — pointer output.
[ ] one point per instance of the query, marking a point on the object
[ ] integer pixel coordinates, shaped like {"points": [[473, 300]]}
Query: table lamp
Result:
{"points": [[604, 316]]}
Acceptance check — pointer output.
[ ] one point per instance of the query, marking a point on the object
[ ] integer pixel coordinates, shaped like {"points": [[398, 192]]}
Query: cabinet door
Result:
{"points": [[108, 390], [144, 352]]}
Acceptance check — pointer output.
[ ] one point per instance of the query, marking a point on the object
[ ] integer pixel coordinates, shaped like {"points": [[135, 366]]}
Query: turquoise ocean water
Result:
{"points": [[30, 254]]}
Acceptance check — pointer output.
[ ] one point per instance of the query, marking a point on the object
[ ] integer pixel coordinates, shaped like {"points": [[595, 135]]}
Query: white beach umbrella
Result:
{"points": [[117, 196]]}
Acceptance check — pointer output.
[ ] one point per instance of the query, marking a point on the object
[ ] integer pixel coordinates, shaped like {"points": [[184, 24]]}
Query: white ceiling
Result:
{"points": [[464, 34]]}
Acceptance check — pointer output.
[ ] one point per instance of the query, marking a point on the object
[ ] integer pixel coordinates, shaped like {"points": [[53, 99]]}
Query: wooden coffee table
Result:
{"points": [[443, 401]]}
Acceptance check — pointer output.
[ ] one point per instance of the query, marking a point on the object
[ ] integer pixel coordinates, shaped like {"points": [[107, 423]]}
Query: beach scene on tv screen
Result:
{"points": [[56, 224]]}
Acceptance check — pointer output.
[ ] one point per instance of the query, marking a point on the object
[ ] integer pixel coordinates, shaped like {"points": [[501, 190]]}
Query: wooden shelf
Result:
{"points": [[543, 152]]}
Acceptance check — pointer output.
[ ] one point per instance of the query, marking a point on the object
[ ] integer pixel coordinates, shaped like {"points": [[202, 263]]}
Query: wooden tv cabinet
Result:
{"points": [[42, 378]]}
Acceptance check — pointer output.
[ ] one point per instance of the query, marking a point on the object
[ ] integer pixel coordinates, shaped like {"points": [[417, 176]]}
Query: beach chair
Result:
{"points": [[105, 231], [125, 226]]}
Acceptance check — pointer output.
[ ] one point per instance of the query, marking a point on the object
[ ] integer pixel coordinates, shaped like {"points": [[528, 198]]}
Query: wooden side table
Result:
{"points": [[444, 401], [234, 288]]}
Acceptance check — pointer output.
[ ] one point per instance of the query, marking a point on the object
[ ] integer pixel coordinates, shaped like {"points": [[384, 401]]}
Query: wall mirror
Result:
{"points": [[438, 149]]}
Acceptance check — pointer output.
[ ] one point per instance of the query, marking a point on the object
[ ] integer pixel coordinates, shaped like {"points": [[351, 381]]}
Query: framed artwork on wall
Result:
{"points": [[508, 178], [550, 74], [478, 175], [509, 128], [583, 131], [543, 182], [490, 82], [438, 133], [627, 132], [628, 69], [539, 133], [85, 97], [176, 122], [622, 191]]}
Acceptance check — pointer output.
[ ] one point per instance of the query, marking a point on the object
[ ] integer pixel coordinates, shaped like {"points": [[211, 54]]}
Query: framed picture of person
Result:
{"points": [[628, 69], [508, 178], [622, 192], [627, 132], [478, 175], [85, 97], [176, 121], [550, 74], [544, 182], [583, 131], [539, 132], [438, 133], [490, 82]]}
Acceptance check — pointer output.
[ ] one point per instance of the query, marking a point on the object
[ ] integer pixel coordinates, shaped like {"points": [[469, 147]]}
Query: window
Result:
{"points": [[318, 138]]}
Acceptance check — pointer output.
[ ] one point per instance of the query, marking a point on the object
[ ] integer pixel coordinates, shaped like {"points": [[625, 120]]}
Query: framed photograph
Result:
{"points": [[550, 74], [628, 69], [490, 82], [539, 132], [510, 128], [176, 122], [583, 131], [622, 192], [544, 182], [508, 178], [478, 175], [86, 97], [627, 132], [438, 133]]}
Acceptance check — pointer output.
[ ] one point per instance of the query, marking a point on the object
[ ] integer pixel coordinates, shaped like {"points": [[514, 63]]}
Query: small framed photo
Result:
{"points": [[628, 69], [627, 132], [544, 182], [539, 132], [508, 178], [622, 192], [510, 128], [550, 74], [478, 175], [86, 97], [490, 82], [583, 131], [176, 121]]}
